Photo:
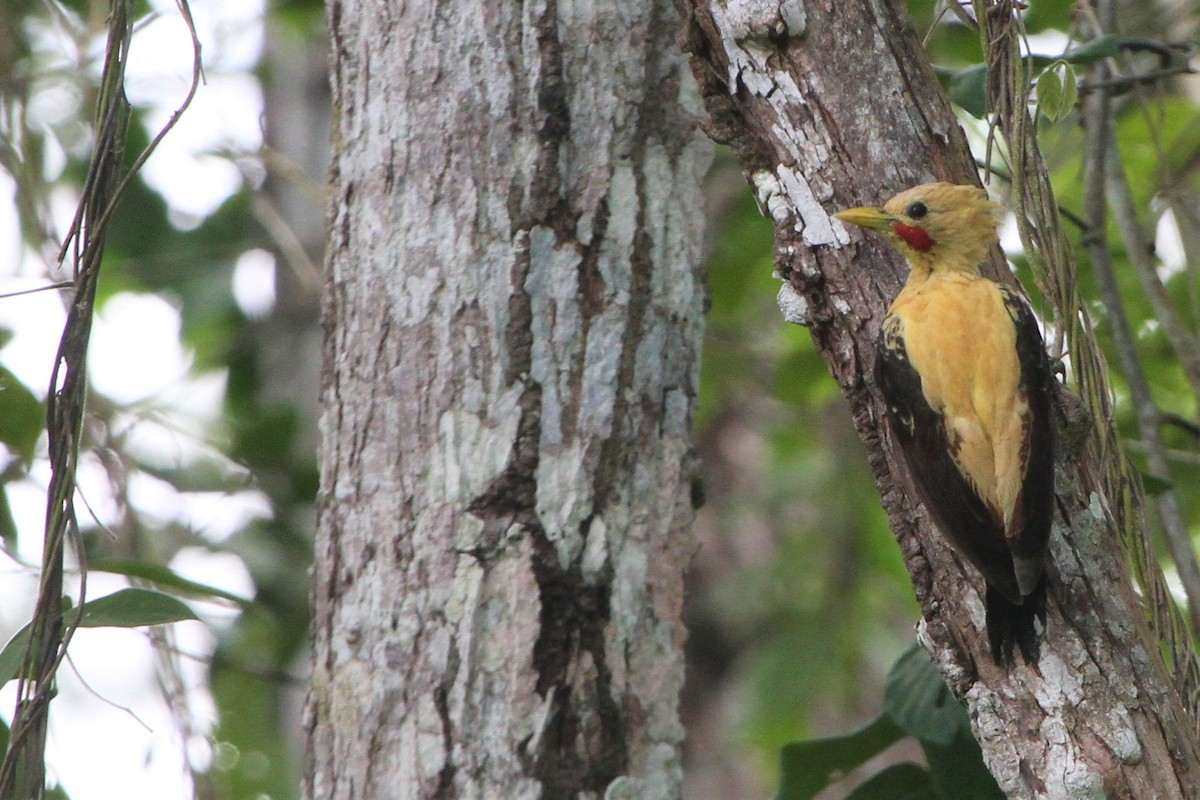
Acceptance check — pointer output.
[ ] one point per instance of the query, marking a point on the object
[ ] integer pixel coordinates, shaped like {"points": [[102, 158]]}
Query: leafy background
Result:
{"points": [[800, 614]]}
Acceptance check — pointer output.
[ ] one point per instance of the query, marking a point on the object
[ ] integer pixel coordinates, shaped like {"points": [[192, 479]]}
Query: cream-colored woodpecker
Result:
{"points": [[963, 372]]}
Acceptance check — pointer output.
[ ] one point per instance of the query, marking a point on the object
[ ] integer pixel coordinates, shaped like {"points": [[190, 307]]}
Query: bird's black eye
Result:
{"points": [[917, 210]]}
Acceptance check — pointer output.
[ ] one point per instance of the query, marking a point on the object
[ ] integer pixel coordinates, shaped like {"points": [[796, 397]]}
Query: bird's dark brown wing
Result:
{"points": [[1035, 509], [950, 498]]}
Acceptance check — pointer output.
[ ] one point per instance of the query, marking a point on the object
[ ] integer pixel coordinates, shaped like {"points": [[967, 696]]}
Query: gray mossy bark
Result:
{"points": [[513, 312], [831, 105]]}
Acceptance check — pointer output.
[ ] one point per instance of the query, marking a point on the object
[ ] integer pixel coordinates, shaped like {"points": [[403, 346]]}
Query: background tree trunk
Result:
{"points": [[834, 106], [513, 319]]}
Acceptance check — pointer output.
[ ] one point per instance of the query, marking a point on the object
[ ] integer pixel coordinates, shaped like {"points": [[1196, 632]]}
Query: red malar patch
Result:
{"points": [[916, 238]]}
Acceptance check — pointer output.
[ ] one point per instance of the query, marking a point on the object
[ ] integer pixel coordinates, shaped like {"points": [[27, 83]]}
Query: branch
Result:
{"points": [[1183, 341]]}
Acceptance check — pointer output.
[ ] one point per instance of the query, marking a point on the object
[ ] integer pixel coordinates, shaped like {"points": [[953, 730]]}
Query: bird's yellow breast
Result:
{"points": [[961, 340]]}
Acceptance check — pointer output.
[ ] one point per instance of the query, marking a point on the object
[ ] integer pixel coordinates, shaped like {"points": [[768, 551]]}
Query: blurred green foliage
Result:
{"points": [[815, 603], [917, 703]]}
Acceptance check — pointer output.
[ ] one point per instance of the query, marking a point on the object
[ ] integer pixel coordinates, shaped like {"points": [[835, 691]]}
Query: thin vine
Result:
{"points": [[23, 772]]}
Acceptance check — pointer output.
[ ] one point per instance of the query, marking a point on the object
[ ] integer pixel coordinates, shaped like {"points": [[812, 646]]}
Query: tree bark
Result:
{"points": [[513, 317], [834, 105]]}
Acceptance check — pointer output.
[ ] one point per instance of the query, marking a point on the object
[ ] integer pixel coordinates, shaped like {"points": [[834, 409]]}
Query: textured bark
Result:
{"points": [[830, 105], [513, 319]]}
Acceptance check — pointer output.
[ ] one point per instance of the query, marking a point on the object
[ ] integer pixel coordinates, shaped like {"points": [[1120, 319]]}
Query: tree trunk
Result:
{"points": [[834, 105], [513, 319]]}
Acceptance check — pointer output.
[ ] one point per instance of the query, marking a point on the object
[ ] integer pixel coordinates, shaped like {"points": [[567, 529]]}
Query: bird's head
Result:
{"points": [[935, 225]]}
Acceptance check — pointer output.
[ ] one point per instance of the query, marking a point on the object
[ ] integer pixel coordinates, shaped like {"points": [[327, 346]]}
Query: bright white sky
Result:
{"points": [[116, 738]]}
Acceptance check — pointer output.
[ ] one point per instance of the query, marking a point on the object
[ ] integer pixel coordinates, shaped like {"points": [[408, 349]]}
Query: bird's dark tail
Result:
{"points": [[1011, 624]]}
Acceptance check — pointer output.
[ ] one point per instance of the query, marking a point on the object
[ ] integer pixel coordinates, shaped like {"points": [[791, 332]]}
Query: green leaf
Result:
{"points": [[918, 701], [1155, 486], [203, 475], [916, 698], [13, 655], [1105, 46], [958, 771], [808, 767], [1048, 14], [1141, 139], [1057, 91], [127, 608], [1050, 94], [163, 576], [968, 89], [898, 782], [8, 525], [21, 416], [133, 608], [1070, 89]]}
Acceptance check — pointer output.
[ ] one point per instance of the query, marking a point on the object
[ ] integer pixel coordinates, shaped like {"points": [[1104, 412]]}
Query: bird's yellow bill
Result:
{"points": [[866, 217]]}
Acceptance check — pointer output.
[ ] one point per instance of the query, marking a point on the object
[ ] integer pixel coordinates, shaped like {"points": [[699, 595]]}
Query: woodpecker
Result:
{"points": [[964, 375]]}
